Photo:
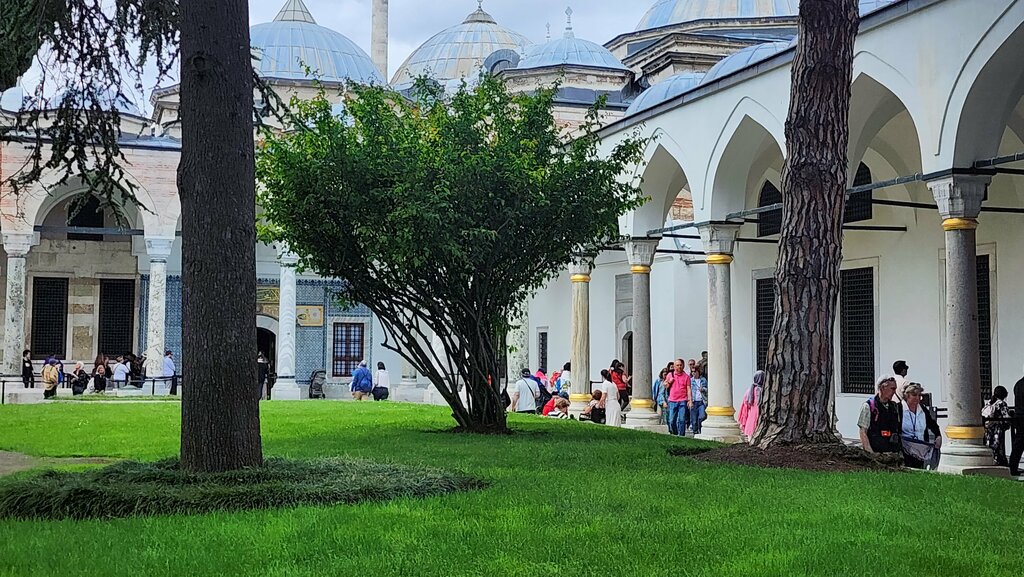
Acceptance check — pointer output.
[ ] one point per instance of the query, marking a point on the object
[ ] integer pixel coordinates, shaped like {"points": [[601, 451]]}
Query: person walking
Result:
{"points": [[50, 378], [381, 383], [564, 382], [526, 395], [921, 438], [698, 399], [362, 382], [880, 420], [702, 364], [262, 373], [1017, 438], [610, 400], [621, 382], [28, 376], [169, 371], [678, 399], [750, 408], [659, 393], [995, 431]]}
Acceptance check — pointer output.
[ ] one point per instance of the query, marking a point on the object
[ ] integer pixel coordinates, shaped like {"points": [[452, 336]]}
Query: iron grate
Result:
{"points": [[985, 324], [542, 351], [857, 331], [765, 317], [859, 206], [347, 348], [769, 223], [117, 316], [49, 317]]}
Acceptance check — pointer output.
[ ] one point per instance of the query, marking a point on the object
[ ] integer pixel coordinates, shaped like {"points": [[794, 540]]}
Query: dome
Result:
{"points": [[12, 99], [459, 51], [108, 100], [666, 12], [664, 91], [746, 57], [293, 41], [571, 51]]}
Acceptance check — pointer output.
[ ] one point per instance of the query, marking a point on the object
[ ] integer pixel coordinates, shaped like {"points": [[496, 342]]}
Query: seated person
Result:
{"points": [[561, 410], [594, 412]]}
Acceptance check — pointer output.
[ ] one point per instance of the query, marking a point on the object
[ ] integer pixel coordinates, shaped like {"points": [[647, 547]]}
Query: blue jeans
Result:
{"points": [[698, 413], [678, 416]]}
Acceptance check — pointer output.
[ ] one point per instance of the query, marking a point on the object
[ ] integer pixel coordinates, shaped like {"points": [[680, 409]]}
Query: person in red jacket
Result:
{"points": [[621, 382]]}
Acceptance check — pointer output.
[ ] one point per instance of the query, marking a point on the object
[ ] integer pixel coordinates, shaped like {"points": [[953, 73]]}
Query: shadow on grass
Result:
{"points": [[134, 489]]}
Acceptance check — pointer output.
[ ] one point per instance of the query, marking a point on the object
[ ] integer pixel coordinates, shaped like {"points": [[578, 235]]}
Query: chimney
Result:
{"points": [[379, 36]]}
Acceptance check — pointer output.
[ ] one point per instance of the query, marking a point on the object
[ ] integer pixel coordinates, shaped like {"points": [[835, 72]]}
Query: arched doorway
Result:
{"points": [[627, 352], [266, 343]]}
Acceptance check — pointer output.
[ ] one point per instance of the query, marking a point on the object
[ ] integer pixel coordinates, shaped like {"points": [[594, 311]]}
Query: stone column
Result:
{"points": [[158, 249], [285, 387], [721, 425], [16, 245], [379, 36], [642, 415], [959, 199], [518, 342], [579, 390]]}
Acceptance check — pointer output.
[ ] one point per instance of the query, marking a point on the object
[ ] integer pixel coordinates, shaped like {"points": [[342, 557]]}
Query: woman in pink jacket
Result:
{"points": [[750, 408]]}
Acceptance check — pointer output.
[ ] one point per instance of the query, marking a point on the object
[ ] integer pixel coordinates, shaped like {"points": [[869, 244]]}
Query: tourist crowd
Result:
{"points": [[128, 370]]}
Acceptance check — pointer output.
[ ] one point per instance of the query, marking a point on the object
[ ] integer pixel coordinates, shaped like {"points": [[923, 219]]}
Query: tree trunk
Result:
{"points": [[795, 407], [220, 423]]}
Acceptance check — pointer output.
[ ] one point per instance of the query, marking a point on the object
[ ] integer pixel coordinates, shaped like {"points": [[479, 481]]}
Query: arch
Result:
{"points": [[662, 179], [751, 137], [987, 89], [879, 92], [267, 322]]}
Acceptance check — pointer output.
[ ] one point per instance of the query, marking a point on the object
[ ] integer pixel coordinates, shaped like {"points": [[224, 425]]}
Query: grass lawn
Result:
{"points": [[566, 499]]}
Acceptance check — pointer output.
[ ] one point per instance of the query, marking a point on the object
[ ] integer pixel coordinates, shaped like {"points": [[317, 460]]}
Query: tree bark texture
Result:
{"points": [[220, 423], [795, 407]]}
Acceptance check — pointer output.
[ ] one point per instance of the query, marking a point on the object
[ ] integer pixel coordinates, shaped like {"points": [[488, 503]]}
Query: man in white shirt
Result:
{"points": [[121, 372], [525, 395], [900, 368], [169, 371]]}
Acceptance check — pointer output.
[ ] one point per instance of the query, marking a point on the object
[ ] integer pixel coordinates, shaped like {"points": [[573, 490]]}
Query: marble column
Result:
{"points": [[379, 36], [719, 241], [17, 246], [518, 342], [959, 199], [579, 389], [158, 249], [285, 387], [642, 414]]}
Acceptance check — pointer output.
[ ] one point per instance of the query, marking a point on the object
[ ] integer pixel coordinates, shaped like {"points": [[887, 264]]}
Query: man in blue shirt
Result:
{"points": [[362, 382]]}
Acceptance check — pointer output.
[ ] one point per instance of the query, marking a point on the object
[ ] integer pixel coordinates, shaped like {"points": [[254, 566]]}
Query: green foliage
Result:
{"points": [[442, 212], [134, 489], [564, 498]]}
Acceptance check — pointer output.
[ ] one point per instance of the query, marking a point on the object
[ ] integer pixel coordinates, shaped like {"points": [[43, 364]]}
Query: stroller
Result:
{"points": [[316, 384]]}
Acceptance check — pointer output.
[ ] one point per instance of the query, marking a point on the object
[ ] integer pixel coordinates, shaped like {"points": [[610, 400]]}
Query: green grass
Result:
{"points": [[94, 397], [565, 498]]}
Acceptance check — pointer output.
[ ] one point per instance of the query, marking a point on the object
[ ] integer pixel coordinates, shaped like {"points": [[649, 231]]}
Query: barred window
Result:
{"points": [[542, 351], [117, 316], [859, 206], [89, 215], [765, 317], [857, 330], [985, 324], [348, 348], [769, 223], [49, 317]]}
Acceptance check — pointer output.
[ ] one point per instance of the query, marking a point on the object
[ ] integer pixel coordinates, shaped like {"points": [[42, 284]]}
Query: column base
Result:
{"points": [[644, 419], [286, 390], [969, 457], [578, 402], [722, 429]]}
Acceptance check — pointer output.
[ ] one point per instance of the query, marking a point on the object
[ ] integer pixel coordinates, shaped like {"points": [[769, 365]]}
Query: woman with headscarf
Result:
{"points": [[750, 408], [51, 377]]}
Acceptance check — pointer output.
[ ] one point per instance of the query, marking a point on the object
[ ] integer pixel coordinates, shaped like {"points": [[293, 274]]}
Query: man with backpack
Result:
{"points": [[526, 395], [881, 420], [362, 382]]}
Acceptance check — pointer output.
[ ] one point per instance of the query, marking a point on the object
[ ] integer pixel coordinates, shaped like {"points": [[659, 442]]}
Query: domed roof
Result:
{"points": [[664, 91], [458, 52], [666, 12], [293, 41], [746, 57], [108, 100], [569, 50]]}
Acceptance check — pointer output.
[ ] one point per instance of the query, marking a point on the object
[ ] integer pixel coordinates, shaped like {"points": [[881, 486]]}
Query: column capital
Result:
{"points": [[959, 196], [159, 248], [640, 251], [580, 269], [17, 244], [719, 239], [288, 259]]}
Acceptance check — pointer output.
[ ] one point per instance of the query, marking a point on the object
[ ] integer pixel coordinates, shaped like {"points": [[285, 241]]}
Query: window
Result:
{"points": [[49, 317], [857, 330], [985, 324], [348, 348], [542, 351], [859, 206], [769, 223], [89, 215], [117, 316], [765, 317]]}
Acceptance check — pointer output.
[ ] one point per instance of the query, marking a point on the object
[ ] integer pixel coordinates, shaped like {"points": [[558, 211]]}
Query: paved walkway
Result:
{"points": [[14, 462]]}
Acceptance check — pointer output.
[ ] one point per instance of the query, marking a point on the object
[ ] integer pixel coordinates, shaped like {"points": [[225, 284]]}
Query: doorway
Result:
{"points": [[266, 343], [627, 352]]}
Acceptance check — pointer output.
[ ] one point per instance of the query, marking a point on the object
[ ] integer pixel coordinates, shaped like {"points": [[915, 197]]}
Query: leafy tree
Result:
{"points": [[796, 405], [441, 214]]}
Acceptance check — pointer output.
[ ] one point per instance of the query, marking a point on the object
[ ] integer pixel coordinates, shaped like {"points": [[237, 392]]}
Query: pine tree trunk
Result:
{"points": [[795, 407], [220, 423]]}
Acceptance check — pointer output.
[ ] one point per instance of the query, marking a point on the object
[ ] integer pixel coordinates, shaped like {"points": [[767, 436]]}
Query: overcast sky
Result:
{"points": [[413, 21]]}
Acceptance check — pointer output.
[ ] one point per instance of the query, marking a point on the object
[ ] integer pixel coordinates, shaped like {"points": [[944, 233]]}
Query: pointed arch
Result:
{"points": [[663, 178]]}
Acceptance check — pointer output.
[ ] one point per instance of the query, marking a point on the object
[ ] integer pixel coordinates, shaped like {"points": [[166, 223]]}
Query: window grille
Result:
{"points": [[765, 317], [857, 330], [90, 215], [858, 206], [347, 348], [985, 324], [769, 223], [49, 317], [117, 316], [542, 351]]}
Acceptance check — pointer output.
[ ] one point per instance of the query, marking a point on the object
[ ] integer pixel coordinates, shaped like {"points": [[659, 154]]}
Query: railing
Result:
{"points": [[143, 384]]}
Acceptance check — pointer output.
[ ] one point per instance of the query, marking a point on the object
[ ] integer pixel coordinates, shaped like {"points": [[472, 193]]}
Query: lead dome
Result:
{"points": [[668, 12]]}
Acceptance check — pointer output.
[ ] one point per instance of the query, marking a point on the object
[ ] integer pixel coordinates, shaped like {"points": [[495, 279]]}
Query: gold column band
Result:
{"points": [[721, 411], [640, 269], [642, 403], [959, 224], [719, 259], [579, 398], [965, 433], [580, 278]]}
